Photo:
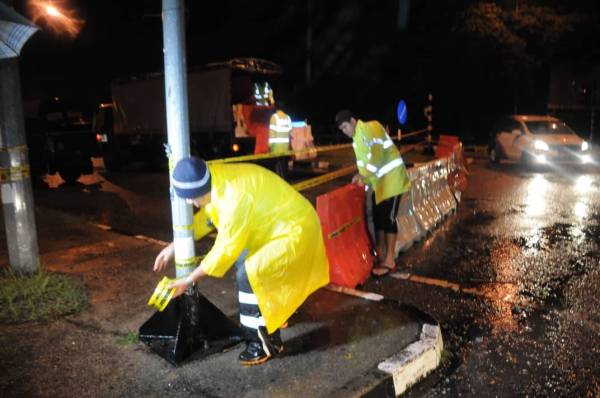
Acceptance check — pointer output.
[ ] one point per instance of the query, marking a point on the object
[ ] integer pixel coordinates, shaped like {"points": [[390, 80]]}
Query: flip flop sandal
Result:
{"points": [[380, 271]]}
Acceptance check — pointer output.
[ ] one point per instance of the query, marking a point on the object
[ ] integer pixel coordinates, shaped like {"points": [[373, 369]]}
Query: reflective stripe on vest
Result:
{"points": [[386, 168], [280, 128], [383, 170], [386, 143], [278, 140]]}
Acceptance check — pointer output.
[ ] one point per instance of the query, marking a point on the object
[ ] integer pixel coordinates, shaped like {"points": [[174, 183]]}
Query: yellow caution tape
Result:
{"points": [[188, 263], [324, 178], [162, 295], [187, 227], [343, 228], [280, 154], [14, 148], [17, 173], [308, 151]]}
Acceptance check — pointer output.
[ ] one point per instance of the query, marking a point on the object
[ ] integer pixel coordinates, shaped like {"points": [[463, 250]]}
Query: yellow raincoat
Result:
{"points": [[252, 208]]}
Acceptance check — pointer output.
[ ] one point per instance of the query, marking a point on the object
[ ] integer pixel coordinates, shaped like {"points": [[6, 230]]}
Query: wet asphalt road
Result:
{"points": [[526, 241]]}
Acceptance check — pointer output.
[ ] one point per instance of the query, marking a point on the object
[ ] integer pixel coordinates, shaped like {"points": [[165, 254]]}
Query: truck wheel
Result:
{"points": [[69, 174]]}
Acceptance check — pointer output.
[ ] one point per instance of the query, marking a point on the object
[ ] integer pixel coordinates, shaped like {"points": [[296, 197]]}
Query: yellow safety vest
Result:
{"points": [[379, 161], [280, 127], [254, 209]]}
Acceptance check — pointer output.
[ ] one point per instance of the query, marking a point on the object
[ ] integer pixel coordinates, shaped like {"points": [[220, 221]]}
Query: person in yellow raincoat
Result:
{"points": [[268, 230], [381, 167]]}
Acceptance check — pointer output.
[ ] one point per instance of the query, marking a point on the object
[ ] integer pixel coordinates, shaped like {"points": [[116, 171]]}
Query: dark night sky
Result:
{"points": [[361, 58]]}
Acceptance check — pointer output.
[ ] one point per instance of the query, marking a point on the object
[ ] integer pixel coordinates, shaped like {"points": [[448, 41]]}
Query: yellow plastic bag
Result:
{"points": [[162, 296]]}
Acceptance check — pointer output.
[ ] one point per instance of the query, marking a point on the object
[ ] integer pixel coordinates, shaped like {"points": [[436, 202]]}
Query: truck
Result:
{"points": [[229, 102], [60, 139]]}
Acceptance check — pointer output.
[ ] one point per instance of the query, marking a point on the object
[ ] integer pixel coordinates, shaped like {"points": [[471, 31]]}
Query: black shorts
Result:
{"points": [[384, 214]]}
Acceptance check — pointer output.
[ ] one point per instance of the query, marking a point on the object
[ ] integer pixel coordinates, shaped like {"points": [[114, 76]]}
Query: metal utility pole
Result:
{"points": [[176, 99], [15, 182]]}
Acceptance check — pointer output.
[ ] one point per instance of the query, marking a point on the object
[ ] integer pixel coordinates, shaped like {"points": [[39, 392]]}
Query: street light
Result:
{"points": [[51, 10], [60, 20]]}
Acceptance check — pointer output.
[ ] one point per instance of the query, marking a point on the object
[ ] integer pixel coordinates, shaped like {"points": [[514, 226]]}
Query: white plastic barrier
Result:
{"points": [[423, 212], [428, 198], [432, 192], [428, 202], [409, 229], [443, 194]]}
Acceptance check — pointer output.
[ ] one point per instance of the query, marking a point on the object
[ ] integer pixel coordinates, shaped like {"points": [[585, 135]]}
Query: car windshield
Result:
{"points": [[547, 127]]}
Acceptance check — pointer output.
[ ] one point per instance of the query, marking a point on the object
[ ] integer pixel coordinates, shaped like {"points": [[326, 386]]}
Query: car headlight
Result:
{"points": [[541, 145], [585, 146]]}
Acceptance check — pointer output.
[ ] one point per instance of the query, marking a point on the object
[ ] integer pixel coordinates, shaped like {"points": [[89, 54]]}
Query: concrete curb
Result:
{"points": [[415, 361], [396, 374]]}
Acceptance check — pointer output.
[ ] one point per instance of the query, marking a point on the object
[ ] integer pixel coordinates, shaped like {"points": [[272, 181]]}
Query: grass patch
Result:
{"points": [[129, 339], [39, 297]]}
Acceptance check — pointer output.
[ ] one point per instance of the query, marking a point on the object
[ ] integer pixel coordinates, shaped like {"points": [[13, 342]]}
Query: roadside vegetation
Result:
{"points": [[39, 297]]}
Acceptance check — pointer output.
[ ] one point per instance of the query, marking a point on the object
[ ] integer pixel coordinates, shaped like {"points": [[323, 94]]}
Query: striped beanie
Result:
{"points": [[191, 178]]}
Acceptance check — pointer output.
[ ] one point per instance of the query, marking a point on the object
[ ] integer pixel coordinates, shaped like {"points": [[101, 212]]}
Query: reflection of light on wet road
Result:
{"points": [[580, 210], [502, 295], [536, 195]]}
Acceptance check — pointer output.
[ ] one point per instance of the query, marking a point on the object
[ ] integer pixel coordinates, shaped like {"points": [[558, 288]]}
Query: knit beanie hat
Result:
{"points": [[191, 178]]}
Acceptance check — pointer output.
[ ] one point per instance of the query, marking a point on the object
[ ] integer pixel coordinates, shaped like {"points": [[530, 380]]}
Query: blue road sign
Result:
{"points": [[402, 112]]}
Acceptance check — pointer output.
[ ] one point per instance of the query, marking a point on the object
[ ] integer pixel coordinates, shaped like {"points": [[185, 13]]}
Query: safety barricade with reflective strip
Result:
{"points": [[457, 172], [410, 230], [442, 194], [431, 198], [422, 214], [342, 215]]}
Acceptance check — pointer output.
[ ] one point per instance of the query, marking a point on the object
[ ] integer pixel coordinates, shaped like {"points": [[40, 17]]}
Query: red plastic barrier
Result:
{"points": [[342, 214], [446, 145], [257, 122]]}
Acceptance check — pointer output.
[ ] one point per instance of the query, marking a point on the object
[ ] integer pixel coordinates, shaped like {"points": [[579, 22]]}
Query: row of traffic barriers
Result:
{"points": [[436, 188]]}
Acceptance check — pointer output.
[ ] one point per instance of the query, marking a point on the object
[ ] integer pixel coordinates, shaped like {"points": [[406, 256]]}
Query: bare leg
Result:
{"points": [[385, 252], [380, 246], [390, 246]]}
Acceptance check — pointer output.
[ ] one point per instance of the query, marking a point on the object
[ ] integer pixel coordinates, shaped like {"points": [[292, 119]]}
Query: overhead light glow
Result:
{"points": [[53, 11], [56, 16]]}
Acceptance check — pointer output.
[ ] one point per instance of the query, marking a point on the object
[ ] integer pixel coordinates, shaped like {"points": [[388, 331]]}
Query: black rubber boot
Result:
{"points": [[253, 354], [271, 343], [258, 352]]}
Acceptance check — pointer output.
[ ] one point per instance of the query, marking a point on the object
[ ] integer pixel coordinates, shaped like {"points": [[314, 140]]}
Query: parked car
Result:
{"points": [[537, 139]]}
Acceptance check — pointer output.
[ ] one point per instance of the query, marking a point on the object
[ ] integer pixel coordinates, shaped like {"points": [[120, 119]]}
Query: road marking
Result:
{"points": [[354, 292], [105, 227], [508, 298]]}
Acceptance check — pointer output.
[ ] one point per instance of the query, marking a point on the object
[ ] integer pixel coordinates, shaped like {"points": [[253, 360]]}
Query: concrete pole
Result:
{"points": [[176, 100], [17, 198]]}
